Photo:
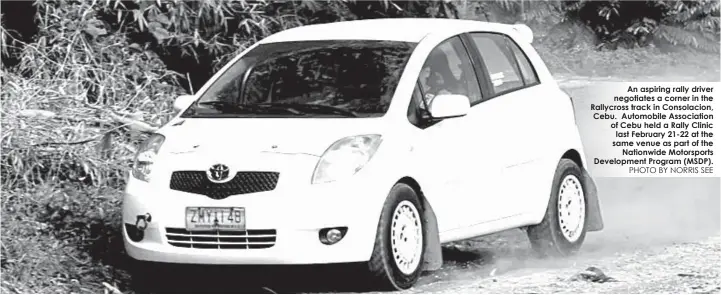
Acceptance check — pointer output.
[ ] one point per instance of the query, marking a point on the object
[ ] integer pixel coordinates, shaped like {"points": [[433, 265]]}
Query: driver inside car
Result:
{"points": [[437, 78]]}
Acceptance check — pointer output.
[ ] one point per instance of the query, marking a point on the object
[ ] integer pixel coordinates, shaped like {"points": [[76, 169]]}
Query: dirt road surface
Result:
{"points": [[661, 236]]}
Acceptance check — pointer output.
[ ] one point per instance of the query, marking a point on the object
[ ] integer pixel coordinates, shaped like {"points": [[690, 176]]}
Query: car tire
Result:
{"points": [[397, 259], [563, 229]]}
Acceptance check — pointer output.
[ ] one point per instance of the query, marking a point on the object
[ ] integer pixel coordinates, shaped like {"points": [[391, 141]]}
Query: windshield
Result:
{"points": [[308, 79]]}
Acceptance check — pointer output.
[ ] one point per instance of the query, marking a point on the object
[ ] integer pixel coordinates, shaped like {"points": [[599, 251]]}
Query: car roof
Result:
{"points": [[387, 29]]}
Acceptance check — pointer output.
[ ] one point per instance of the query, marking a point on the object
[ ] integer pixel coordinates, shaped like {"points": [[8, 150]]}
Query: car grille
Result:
{"points": [[248, 239], [196, 182]]}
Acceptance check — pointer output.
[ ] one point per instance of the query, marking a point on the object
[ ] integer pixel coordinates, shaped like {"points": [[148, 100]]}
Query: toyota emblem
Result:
{"points": [[219, 173]]}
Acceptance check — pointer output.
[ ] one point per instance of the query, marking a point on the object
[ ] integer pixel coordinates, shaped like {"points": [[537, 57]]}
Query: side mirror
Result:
{"points": [[445, 106], [183, 102]]}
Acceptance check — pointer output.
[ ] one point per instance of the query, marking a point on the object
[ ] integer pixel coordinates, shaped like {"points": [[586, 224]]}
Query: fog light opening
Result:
{"points": [[134, 234], [330, 236]]}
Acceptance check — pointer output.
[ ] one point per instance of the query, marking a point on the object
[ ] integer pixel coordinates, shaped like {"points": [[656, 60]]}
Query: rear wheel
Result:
{"points": [[563, 229], [397, 258]]}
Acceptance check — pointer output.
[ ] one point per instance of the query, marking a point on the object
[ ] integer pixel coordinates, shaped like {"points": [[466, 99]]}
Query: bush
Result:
{"points": [[74, 107], [628, 24]]}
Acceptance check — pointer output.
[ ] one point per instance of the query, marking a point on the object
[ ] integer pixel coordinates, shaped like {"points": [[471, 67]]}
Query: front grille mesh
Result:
{"points": [[248, 239], [196, 182]]}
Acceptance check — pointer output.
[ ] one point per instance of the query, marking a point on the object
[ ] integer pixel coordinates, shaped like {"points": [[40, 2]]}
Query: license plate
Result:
{"points": [[214, 218]]}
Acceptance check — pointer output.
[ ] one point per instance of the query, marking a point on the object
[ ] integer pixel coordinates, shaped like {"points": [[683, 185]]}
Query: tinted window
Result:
{"points": [[500, 62], [308, 79], [448, 70], [527, 70]]}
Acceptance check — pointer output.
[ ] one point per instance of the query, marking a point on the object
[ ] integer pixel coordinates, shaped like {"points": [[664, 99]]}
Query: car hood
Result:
{"points": [[289, 136]]}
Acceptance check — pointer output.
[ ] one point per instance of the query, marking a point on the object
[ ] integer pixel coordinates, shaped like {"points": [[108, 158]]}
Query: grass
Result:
{"points": [[71, 121]]}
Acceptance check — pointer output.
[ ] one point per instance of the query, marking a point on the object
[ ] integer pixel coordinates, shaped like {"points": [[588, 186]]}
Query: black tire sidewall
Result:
{"points": [[399, 193]]}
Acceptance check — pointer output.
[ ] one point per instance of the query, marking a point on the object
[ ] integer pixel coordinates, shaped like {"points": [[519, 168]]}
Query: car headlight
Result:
{"points": [[145, 158], [345, 157]]}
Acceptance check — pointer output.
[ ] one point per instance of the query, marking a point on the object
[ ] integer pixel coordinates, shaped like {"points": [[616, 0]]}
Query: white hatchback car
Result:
{"points": [[364, 141]]}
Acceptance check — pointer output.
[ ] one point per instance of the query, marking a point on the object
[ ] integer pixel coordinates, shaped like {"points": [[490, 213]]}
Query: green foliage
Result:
{"points": [[215, 31], [216, 28], [81, 84], [74, 108], [694, 23]]}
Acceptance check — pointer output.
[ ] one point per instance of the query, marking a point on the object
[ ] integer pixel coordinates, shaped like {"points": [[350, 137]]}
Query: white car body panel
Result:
{"points": [[460, 175]]}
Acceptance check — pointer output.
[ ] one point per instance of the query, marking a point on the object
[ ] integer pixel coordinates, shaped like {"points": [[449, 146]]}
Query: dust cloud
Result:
{"points": [[655, 212]]}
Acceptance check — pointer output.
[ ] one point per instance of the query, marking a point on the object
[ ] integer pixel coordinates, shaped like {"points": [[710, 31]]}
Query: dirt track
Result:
{"points": [[662, 235]]}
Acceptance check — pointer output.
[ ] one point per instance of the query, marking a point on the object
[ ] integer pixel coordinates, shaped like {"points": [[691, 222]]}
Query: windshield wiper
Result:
{"points": [[236, 108], [314, 108], [222, 105]]}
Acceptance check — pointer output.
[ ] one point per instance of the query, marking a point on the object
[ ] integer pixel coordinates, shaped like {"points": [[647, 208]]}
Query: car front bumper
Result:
{"points": [[296, 214]]}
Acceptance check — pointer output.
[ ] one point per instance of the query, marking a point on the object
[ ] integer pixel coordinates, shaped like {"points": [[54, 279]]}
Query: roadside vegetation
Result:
{"points": [[83, 82]]}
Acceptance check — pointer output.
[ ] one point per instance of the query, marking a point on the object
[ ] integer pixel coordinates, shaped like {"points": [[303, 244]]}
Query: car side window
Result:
{"points": [[527, 70], [503, 71], [448, 70]]}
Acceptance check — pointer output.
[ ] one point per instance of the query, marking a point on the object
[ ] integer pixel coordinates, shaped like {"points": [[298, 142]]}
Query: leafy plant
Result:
{"points": [[627, 23], [198, 37], [694, 23]]}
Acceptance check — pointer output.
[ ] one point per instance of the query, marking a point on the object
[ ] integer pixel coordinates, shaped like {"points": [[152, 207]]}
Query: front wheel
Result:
{"points": [[563, 229], [397, 258]]}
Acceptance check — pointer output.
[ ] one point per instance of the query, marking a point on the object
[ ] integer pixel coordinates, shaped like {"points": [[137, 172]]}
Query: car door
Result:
{"points": [[512, 84], [457, 150], [439, 153]]}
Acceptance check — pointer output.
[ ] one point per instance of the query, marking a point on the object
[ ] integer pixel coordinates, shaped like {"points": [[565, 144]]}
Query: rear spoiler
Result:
{"points": [[524, 32]]}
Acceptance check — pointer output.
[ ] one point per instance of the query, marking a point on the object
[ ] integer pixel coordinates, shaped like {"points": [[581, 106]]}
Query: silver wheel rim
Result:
{"points": [[571, 208], [406, 237]]}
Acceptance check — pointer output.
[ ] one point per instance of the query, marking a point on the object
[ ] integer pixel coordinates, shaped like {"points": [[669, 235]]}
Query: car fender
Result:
{"points": [[568, 144], [593, 204], [593, 207], [399, 166]]}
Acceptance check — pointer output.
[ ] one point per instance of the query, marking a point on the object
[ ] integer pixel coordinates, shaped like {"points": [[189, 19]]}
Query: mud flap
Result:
{"points": [[595, 220], [433, 256]]}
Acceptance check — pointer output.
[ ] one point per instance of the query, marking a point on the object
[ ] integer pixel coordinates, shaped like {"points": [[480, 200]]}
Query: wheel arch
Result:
{"points": [[433, 257], [595, 219], [574, 156]]}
